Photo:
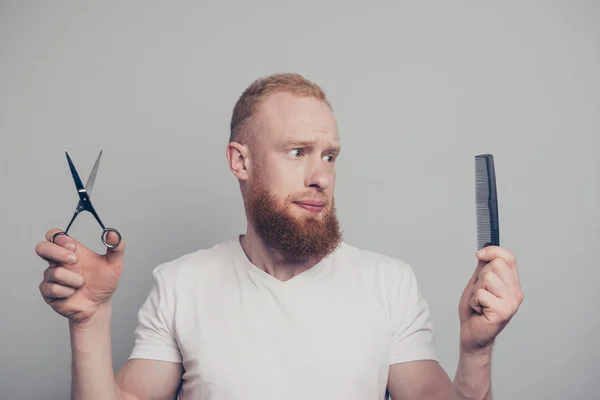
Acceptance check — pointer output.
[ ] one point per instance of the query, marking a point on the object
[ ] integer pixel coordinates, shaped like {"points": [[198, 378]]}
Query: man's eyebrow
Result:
{"points": [[307, 143], [297, 142]]}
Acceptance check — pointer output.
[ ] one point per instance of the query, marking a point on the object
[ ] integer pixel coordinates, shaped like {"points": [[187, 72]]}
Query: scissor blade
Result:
{"points": [[78, 184], [89, 185]]}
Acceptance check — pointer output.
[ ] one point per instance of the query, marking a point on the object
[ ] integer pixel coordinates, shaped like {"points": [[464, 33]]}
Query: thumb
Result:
{"points": [[114, 255]]}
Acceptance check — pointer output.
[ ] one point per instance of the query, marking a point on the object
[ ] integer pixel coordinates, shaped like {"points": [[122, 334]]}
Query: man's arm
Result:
{"points": [[422, 379], [149, 379], [92, 369], [427, 380], [473, 376], [78, 284]]}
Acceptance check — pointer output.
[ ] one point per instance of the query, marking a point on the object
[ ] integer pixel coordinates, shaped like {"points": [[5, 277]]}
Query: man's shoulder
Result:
{"points": [[393, 276], [367, 259], [198, 261]]}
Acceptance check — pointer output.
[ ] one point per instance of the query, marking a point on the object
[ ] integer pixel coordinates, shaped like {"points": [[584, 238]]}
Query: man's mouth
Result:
{"points": [[311, 205]]}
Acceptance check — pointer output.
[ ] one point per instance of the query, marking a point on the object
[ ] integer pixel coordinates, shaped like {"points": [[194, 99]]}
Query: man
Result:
{"points": [[287, 310]]}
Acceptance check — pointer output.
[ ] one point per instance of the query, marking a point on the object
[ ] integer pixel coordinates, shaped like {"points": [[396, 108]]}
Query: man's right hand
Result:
{"points": [[77, 287]]}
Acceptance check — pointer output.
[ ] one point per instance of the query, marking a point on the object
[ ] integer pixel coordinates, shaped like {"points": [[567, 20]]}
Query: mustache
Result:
{"points": [[308, 197]]}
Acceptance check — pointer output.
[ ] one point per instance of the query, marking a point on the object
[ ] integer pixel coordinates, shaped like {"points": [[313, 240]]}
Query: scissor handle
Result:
{"points": [[105, 234], [57, 234]]}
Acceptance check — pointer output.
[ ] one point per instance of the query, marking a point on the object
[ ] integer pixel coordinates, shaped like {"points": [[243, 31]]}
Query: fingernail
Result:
{"points": [[481, 252], [71, 246], [72, 258]]}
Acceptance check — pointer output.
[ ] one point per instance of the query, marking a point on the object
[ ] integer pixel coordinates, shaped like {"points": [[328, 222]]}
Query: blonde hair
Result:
{"points": [[247, 105]]}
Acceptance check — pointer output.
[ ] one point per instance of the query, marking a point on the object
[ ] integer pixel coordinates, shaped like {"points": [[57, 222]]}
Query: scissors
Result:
{"points": [[85, 204]]}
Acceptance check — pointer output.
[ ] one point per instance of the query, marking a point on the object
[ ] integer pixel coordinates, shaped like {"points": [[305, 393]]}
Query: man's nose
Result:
{"points": [[319, 174]]}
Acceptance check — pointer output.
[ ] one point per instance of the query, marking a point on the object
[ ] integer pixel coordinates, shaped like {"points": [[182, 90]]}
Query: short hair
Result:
{"points": [[247, 105]]}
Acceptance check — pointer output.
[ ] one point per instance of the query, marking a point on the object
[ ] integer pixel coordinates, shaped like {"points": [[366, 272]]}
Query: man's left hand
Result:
{"points": [[491, 298]]}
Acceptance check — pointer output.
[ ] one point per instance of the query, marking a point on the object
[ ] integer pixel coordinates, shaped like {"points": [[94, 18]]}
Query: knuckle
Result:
{"points": [[489, 275], [482, 274], [480, 282], [503, 313], [58, 274], [47, 274], [57, 290], [53, 289], [508, 312], [498, 263], [511, 258], [514, 308], [45, 289], [65, 241]]}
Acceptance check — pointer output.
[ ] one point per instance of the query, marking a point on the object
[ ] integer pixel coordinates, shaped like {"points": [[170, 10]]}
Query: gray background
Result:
{"points": [[418, 90]]}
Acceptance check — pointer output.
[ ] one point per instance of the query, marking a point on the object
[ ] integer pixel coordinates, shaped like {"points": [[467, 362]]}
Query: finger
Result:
{"points": [[55, 254], [63, 240], [114, 255], [475, 304], [52, 291], [63, 277], [493, 284], [504, 272], [66, 241], [483, 299], [50, 233], [490, 252]]}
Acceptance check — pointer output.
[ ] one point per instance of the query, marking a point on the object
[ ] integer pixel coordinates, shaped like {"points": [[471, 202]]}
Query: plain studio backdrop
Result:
{"points": [[418, 90]]}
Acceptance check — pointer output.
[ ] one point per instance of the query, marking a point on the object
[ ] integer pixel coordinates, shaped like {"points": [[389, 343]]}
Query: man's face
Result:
{"points": [[292, 177]]}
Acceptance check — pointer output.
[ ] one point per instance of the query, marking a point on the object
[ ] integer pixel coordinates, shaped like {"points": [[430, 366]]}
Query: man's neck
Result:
{"points": [[270, 260]]}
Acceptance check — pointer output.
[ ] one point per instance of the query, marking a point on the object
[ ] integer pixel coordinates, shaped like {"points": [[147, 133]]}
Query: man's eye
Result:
{"points": [[296, 152], [330, 158]]}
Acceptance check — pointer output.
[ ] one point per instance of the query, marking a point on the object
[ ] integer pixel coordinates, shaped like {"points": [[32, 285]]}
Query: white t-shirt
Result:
{"points": [[330, 332]]}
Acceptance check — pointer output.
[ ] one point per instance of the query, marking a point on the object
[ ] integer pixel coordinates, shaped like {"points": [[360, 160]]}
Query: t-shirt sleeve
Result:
{"points": [[412, 326], [154, 338]]}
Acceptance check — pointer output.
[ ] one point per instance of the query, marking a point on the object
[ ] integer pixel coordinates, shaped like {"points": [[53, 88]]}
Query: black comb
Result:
{"points": [[486, 202]]}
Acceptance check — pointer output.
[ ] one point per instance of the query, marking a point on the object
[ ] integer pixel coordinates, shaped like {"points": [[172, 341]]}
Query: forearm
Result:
{"points": [[473, 376], [92, 369]]}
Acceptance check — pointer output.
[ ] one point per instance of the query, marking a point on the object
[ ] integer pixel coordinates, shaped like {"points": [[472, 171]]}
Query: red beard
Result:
{"points": [[295, 238]]}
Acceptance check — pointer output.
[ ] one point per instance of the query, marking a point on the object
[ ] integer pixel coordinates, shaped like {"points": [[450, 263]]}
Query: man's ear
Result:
{"points": [[237, 156]]}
